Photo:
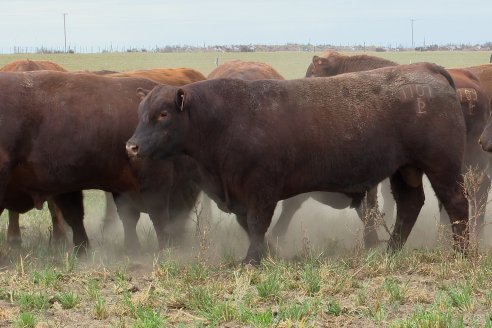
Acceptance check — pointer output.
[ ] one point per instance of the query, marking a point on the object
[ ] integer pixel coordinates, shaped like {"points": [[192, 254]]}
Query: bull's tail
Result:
{"points": [[441, 70]]}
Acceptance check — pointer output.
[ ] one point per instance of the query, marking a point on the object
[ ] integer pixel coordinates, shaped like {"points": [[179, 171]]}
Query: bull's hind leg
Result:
{"points": [[13, 230], [72, 209], [449, 191], [129, 216], [110, 212], [57, 221], [409, 202], [289, 208]]}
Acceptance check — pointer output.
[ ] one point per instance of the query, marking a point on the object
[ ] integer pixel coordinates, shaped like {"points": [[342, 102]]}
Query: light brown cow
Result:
{"points": [[245, 70], [170, 76], [484, 74], [24, 65]]}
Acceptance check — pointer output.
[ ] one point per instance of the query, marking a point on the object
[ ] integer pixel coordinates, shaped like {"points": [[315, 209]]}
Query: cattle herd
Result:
{"points": [[247, 138]]}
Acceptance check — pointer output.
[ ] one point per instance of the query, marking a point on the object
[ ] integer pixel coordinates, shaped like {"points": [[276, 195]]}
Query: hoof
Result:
{"points": [[253, 262], [14, 242]]}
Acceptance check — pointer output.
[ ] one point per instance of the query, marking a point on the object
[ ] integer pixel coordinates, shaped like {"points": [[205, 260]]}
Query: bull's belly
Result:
{"points": [[344, 179], [42, 181]]}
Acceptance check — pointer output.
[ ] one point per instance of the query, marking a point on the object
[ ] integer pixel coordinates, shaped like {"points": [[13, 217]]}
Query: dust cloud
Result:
{"points": [[216, 235]]}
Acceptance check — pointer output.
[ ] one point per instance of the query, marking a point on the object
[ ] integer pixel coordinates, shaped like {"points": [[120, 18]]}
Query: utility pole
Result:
{"points": [[65, 31], [411, 22]]}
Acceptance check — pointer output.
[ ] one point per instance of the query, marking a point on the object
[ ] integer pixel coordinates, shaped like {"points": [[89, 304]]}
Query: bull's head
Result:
{"points": [[486, 137], [323, 66], [160, 123]]}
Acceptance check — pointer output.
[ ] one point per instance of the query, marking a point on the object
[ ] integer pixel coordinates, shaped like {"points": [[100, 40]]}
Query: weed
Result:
{"points": [[200, 299], [67, 300], [196, 272], [429, 318], [146, 317], [31, 301], [461, 297], [270, 286], [333, 308], [47, 277], [100, 310], [393, 287], [93, 289], [311, 279], [25, 320], [255, 318]]}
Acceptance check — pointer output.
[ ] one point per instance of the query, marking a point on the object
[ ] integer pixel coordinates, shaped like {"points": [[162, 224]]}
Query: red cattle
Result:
{"points": [[170, 76], [246, 70], [474, 104], [66, 133], [258, 142], [484, 75], [24, 65], [13, 230]]}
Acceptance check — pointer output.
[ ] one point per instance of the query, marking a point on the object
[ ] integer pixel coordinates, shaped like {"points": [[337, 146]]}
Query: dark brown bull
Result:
{"points": [[258, 142], [474, 104], [170, 76], [24, 65], [247, 70], [66, 133], [13, 230]]}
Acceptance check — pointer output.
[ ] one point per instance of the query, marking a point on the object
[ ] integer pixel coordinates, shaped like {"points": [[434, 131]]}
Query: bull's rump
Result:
{"points": [[341, 134]]}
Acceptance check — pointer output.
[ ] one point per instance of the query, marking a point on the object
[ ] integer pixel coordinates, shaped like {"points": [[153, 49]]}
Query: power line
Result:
{"points": [[65, 31], [411, 22]]}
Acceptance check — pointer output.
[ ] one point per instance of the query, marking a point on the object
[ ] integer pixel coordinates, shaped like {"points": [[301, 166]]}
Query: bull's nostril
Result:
{"points": [[131, 149]]}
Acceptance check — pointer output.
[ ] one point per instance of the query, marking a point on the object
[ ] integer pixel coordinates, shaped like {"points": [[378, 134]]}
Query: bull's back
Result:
{"points": [[25, 65], [315, 125], [170, 76], [245, 70]]}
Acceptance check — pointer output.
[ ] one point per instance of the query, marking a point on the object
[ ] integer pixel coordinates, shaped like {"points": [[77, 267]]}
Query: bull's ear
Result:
{"points": [[317, 60], [141, 92], [180, 99]]}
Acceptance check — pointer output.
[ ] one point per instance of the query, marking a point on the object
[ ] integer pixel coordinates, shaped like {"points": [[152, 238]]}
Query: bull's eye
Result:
{"points": [[162, 115]]}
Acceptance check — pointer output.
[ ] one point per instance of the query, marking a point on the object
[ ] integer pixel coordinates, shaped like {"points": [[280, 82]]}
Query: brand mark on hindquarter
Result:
{"points": [[468, 96], [419, 93]]}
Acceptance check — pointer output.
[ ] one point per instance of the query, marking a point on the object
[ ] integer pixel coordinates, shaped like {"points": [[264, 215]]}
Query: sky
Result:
{"points": [[150, 23]]}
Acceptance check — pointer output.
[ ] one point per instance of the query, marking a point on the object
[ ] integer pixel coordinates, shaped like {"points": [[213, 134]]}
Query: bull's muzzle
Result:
{"points": [[132, 149], [486, 146]]}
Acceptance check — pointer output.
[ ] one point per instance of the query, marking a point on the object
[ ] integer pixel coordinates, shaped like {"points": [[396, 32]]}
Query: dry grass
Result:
{"points": [[322, 285]]}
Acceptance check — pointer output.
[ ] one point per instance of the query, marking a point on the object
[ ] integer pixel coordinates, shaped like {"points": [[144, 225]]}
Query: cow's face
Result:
{"points": [[159, 133], [486, 137]]}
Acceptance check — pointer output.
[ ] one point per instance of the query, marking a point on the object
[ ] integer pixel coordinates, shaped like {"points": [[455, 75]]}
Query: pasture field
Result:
{"points": [[290, 64], [318, 277]]}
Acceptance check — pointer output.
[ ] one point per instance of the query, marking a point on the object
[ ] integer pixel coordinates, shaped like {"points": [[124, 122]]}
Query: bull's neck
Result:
{"points": [[205, 131]]}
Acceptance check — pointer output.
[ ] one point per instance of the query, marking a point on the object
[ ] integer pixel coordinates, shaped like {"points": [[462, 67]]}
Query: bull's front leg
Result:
{"points": [[160, 219], [258, 221], [129, 216], [13, 230]]}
